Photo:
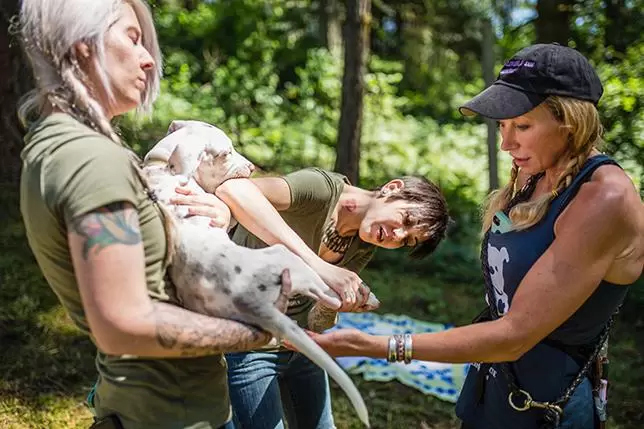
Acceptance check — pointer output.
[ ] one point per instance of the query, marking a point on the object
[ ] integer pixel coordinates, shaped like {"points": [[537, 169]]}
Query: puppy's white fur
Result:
{"points": [[213, 275], [194, 154]]}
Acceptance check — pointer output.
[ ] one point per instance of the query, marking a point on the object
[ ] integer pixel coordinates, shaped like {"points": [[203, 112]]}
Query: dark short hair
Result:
{"points": [[432, 210]]}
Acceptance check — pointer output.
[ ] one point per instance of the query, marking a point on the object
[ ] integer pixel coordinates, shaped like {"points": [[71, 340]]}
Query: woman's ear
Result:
{"points": [[392, 187], [82, 51], [350, 205]]}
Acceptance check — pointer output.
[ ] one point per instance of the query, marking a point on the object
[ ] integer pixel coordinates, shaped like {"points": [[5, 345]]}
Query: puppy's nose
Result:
{"points": [[251, 167]]}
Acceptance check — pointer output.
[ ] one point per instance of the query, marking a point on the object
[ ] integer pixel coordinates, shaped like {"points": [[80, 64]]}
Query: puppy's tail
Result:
{"points": [[284, 327]]}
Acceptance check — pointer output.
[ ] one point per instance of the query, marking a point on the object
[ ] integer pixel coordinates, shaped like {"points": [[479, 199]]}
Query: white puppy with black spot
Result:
{"points": [[217, 277]]}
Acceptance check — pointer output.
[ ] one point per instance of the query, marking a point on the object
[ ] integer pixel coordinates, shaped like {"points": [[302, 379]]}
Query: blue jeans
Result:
{"points": [[266, 388], [579, 411]]}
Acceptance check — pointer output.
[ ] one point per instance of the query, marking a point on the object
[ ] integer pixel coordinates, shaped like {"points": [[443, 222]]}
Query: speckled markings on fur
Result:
{"points": [[217, 277]]}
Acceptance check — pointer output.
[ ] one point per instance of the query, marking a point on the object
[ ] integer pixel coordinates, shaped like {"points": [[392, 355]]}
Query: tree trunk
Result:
{"points": [[616, 15], [553, 21], [488, 76], [14, 82], [356, 52], [190, 5], [416, 47], [331, 25]]}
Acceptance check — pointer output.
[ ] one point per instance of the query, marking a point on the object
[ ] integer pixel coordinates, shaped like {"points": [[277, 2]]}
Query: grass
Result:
{"points": [[47, 367]]}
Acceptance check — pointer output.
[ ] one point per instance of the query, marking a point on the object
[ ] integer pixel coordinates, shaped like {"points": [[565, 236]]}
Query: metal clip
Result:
{"points": [[530, 403], [526, 402]]}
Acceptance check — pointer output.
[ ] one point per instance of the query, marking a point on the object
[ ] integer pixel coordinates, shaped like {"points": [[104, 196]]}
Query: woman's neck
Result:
{"points": [[351, 209]]}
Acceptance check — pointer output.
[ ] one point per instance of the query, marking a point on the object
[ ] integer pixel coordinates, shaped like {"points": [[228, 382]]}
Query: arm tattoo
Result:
{"points": [[321, 318], [116, 223], [197, 335]]}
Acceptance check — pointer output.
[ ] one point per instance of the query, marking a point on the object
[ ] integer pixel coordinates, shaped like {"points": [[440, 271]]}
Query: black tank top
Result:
{"points": [[544, 371]]}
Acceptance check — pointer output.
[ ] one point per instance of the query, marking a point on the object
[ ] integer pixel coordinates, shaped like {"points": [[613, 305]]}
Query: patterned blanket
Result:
{"points": [[439, 379]]}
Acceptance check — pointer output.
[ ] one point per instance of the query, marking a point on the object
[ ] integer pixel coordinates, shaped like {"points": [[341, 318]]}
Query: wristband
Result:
{"points": [[408, 348], [391, 350]]}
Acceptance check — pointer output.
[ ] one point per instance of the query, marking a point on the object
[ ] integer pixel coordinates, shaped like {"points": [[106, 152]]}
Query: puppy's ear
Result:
{"points": [[176, 125]]}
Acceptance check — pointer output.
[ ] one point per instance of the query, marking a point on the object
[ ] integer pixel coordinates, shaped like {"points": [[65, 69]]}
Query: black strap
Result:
{"points": [[491, 313]]}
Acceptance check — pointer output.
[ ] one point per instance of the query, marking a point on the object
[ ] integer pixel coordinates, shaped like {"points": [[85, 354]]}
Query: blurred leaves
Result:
{"points": [[260, 70], [621, 108]]}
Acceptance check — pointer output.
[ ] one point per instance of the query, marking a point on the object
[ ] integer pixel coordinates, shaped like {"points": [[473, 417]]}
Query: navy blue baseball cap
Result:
{"points": [[533, 74]]}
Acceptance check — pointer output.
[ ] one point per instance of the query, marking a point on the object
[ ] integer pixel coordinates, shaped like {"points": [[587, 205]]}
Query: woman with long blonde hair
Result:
{"points": [[563, 241]]}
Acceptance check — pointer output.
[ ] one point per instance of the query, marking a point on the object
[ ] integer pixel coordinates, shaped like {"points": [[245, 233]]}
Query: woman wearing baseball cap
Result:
{"points": [[563, 241]]}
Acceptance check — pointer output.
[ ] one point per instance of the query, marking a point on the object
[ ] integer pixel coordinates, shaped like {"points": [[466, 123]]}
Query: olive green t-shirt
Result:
{"points": [[69, 170], [314, 195]]}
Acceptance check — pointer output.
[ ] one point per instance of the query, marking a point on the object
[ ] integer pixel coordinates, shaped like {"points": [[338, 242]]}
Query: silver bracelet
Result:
{"points": [[391, 351], [408, 348]]}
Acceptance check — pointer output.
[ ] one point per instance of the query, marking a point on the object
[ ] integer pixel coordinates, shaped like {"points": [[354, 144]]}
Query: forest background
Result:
{"points": [[366, 87]]}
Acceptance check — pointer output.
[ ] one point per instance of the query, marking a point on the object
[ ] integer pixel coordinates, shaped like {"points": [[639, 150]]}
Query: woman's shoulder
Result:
{"points": [[609, 197], [612, 174], [610, 185], [317, 175], [57, 123], [613, 201], [61, 134], [314, 184], [76, 162]]}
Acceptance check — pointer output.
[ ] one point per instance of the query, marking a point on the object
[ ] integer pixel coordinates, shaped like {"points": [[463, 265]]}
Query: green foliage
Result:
{"points": [[259, 70], [281, 130], [622, 109]]}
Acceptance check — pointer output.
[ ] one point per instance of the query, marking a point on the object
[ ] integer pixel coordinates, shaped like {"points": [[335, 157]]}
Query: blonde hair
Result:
{"points": [[581, 119], [49, 32]]}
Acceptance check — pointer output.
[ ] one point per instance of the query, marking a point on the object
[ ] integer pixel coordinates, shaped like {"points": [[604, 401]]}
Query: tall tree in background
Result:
{"points": [[14, 81], [417, 45], [330, 12], [356, 52], [487, 62], [553, 21], [617, 34]]}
